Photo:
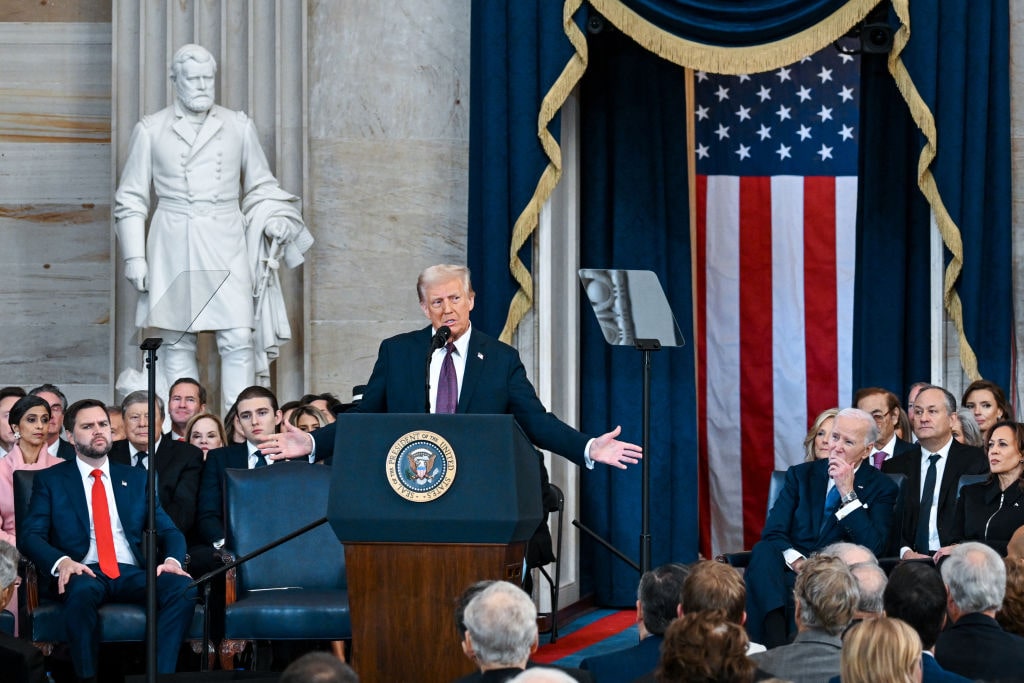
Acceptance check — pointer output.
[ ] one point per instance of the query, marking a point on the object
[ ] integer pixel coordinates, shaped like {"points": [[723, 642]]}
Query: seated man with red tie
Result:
{"points": [[841, 498], [85, 526]]}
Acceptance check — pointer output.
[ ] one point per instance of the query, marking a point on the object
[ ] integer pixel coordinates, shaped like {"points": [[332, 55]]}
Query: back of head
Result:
{"points": [[916, 594], [882, 649], [850, 553], [714, 586], [704, 647], [318, 667], [975, 576], [871, 583], [1011, 615], [658, 594], [826, 594], [463, 601], [8, 564], [541, 674], [502, 625]]}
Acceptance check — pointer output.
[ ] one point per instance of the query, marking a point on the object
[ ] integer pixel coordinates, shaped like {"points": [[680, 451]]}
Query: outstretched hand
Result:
{"points": [[610, 451], [286, 445]]}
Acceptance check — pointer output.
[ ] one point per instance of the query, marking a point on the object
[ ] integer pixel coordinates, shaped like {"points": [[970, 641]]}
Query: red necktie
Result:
{"points": [[101, 524], [447, 384]]}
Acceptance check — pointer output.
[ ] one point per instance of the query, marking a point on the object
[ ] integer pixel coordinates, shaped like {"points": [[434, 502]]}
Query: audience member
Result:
{"points": [[206, 432], [850, 553], [715, 586], [992, 510], [178, 465], [287, 409], [8, 397], [326, 403], [29, 417], [501, 631], [657, 605], [821, 502], [987, 403], [93, 567], [817, 440], [231, 426], [318, 667], [965, 429], [915, 594], [1011, 614], [903, 429], [975, 645], [912, 394], [542, 674], [58, 404], [705, 647], [307, 418], [881, 649], [884, 407], [186, 398], [117, 430], [826, 597], [1015, 548], [20, 660], [933, 472], [871, 581]]}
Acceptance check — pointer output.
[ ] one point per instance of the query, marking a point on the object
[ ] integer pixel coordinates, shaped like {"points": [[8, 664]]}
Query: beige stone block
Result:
{"points": [[342, 353]]}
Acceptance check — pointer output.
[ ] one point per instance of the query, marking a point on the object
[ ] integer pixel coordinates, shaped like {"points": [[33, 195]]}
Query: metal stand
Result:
{"points": [[150, 346]]}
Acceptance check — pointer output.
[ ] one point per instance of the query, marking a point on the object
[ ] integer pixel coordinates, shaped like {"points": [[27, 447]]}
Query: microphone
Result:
{"points": [[441, 337]]}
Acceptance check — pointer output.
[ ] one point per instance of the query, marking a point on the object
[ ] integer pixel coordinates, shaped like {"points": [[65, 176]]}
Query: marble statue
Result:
{"points": [[220, 228]]}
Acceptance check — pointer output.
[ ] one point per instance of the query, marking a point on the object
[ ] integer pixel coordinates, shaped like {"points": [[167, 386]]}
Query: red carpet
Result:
{"points": [[586, 636]]}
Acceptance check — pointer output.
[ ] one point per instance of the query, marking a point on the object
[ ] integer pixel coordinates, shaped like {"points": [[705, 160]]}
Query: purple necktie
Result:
{"points": [[879, 458], [447, 384]]}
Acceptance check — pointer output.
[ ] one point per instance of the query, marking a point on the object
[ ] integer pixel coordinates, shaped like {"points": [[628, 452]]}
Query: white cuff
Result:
{"points": [[848, 508], [791, 555], [586, 456]]}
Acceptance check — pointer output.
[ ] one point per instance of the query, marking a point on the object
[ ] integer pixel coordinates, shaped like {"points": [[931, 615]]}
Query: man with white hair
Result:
{"points": [[976, 646], [20, 661], [501, 631], [822, 502]]}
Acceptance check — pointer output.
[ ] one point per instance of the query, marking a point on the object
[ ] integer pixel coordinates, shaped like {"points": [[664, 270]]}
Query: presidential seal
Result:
{"points": [[421, 466]]}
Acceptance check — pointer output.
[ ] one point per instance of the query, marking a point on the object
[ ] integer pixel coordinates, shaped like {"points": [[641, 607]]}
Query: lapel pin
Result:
{"points": [[124, 483], [479, 355]]}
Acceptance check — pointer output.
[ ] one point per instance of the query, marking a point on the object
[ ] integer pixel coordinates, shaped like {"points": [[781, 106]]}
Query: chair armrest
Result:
{"points": [[739, 560], [30, 584]]}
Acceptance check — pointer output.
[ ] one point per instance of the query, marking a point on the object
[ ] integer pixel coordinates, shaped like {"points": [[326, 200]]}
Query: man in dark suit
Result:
{"points": [[95, 554], [185, 399], [178, 464], [656, 607], [884, 406], [915, 593], [20, 660], [925, 530], [472, 373], [839, 499], [975, 645]]}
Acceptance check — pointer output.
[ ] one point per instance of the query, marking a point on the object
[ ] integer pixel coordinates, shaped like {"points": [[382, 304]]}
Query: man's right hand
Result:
{"points": [[136, 271], [288, 444], [66, 569]]}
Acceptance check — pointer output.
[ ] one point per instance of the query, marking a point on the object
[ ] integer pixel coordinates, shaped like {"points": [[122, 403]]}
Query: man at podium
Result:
{"points": [[467, 371]]}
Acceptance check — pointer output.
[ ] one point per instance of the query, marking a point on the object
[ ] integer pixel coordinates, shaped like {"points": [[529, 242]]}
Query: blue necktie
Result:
{"points": [[260, 460], [831, 505], [924, 512], [447, 384], [140, 462]]}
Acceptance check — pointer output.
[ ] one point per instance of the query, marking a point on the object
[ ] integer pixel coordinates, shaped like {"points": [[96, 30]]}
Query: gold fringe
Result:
{"points": [[948, 228], [734, 60], [526, 223]]}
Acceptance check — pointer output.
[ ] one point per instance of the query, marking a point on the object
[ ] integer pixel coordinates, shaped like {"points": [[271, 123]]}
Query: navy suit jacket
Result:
{"points": [[494, 382], [624, 666], [178, 467], [58, 516], [210, 513], [977, 646], [961, 460]]}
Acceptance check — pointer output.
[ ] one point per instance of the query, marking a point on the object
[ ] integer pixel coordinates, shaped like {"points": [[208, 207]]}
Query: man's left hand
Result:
{"points": [[172, 568], [610, 451]]}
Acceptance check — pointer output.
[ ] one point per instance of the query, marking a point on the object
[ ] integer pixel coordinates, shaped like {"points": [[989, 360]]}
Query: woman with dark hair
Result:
{"points": [[988, 403], [992, 510], [30, 420]]}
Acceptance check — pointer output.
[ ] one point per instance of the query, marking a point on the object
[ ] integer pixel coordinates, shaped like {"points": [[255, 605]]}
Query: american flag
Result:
{"points": [[776, 204]]}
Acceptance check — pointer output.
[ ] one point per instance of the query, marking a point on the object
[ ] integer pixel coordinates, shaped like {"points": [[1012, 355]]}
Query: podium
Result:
{"points": [[426, 505]]}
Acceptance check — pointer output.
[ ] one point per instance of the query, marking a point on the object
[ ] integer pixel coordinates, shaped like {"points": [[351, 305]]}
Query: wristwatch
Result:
{"points": [[848, 498]]}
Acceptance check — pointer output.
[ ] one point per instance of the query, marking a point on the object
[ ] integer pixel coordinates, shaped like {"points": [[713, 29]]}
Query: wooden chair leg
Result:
{"points": [[228, 650], [338, 648]]}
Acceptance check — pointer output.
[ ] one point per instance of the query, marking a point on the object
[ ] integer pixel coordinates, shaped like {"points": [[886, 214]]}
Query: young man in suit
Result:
{"points": [[933, 472], [839, 499], [178, 464], [85, 527], [472, 373]]}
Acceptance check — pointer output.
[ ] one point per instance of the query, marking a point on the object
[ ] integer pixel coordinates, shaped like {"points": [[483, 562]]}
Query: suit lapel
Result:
{"points": [[74, 491], [211, 125], [951, 475], [476, 353]]}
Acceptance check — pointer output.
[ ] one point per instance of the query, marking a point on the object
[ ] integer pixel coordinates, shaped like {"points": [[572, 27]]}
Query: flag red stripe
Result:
{"points": [[755, 315], [700, 298], [820, 306]]}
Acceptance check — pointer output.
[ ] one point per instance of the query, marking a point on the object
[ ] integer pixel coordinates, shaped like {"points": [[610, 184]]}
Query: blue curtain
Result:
{"points": [[635, 215]]}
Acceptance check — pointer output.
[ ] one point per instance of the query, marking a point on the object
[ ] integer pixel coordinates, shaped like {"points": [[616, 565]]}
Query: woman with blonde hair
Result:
{"points": [[816, 441], [206, 432], [881, 649]]}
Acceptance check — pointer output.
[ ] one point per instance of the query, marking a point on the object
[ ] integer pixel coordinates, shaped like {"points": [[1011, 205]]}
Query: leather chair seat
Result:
{"points": [[119, 623], [290, 613], [6, 622]]}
